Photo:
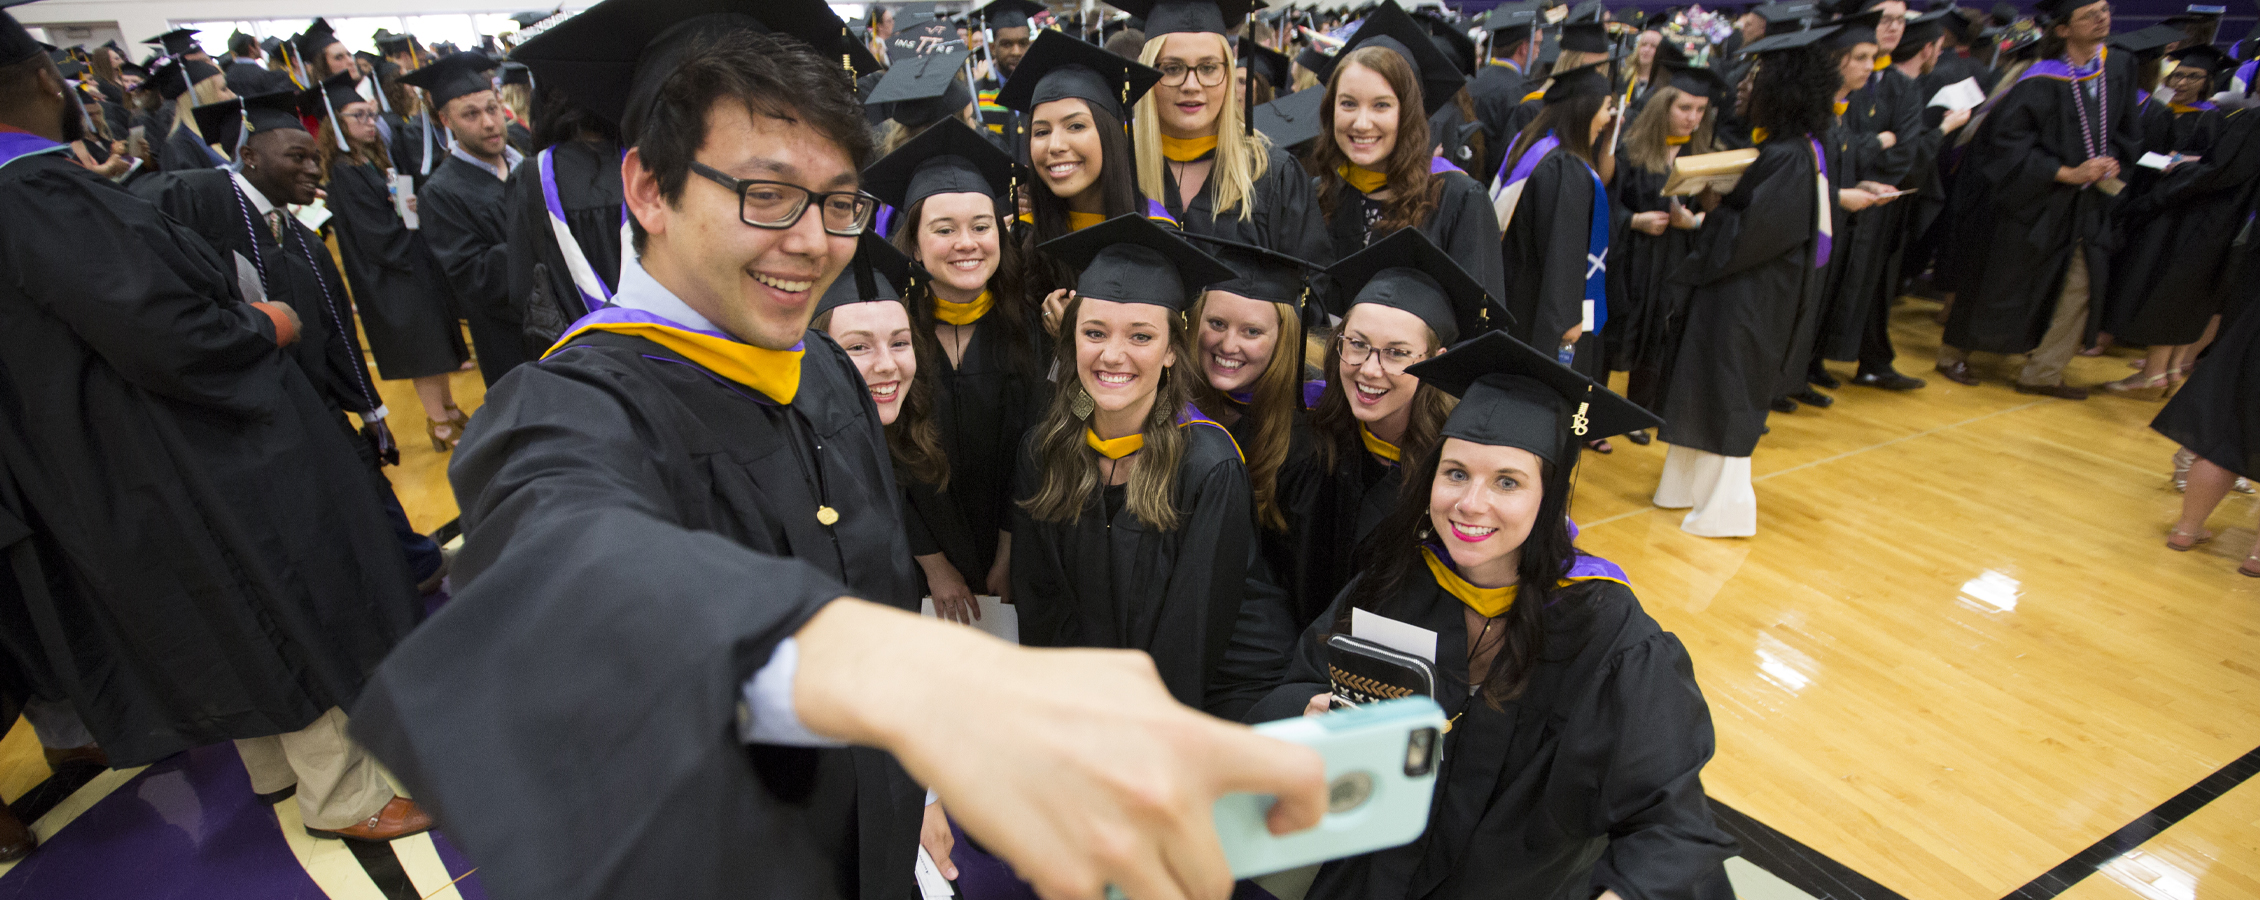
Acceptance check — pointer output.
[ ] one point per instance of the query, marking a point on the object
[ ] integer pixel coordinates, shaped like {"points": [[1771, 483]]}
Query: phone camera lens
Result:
{"points": [[1420, 752], [1348, 792]]}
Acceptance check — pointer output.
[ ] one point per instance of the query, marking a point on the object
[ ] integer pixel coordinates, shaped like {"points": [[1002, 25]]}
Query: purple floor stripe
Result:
{"points": [[456, 866]]}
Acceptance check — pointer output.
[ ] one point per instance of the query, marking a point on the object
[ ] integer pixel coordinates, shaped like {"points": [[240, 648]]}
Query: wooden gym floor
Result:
{"points": [[1956, 663]]}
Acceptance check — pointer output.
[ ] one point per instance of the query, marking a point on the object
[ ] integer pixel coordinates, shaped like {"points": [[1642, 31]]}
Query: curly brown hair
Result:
{"points": [[1414, 190]]}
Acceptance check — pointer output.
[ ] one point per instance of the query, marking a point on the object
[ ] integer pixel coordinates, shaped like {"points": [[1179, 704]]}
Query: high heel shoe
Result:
{"points": [[2183, 542], [443, 444], [2251, 566], [2183, 459], [2136, 387], [456, 415]]}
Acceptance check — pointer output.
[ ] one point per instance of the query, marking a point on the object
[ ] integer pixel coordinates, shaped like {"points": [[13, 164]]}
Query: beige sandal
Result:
{"points": [[2194, 540]]}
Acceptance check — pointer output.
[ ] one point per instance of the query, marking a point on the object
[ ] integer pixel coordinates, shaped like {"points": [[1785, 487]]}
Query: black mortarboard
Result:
{"points": [[177, 75], [949, 158], [1457, 46], [1318, 63], [1788, 18], [389, 43], [878, 273], [2002, 14], [1510, 22], [2059, 11], [1587, 28], [1058, 66], [1855, 28], [270, 45], [1008, 13], [529, 18], [1775, 43], [1407, 271], [612, 57], [177, 41], [1589, 80], [2203, 56], [453, 76], [1259, 273], [2147, 43], [1129, 259], [1699, 81], [1174, 16], [516, 73], [920, 37], [920, 90], [1292, 120], [1512, 395], [1923, 29], [340, 91], [1390, 27], [135, 69], [222, 124], [317, 37], [1272, 64]]}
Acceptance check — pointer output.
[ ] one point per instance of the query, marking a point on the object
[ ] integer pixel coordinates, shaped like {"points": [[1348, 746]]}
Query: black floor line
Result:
{"points": [[383, 866], [2084, 863], [52, 791], [448, 531], [1805, 868]]}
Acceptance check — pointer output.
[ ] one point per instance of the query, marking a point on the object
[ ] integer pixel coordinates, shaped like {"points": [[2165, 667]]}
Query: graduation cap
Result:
{"points": [[389, 43], [1259, 273], [1699, 81], [1856, 28], [1390, 27], [270, 45], [317, 38], [918, 91], [229, 123], [1512, 395], [529, 18], [878, 273], [516, 73], [177, 42], [1510, 23], [1589, 80], [1008, 13], [2060, 11], [1292, 120], [1775, 43], [1129, 259], [949, 158], [1788, 18], [1407, 271], [337, 91], [1177, 16], [1271, 64], [1925, 28], [453, 76], [612, 57], [2002, 14], [2203, 56], [177, 75], [2147, 43], [923, 36], [1058, 66], [1587, 28], [1457, 46]]}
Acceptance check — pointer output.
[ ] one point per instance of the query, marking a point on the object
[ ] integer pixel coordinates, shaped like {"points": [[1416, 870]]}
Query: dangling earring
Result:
{"points": [[1082, 404]]}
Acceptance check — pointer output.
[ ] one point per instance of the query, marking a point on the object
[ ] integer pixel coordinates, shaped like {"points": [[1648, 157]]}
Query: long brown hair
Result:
{"points": [[1071, 471], [1571, 121], [1644, 144], [1278, 393], [1336, 428], [1414, 190], [1014, 313], [913, 441], [364, 152]]}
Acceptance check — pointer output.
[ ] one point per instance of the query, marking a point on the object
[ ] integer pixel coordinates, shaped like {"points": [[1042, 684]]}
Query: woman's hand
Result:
{"points": [[1954, 120], [1570, 337], [1684, 220], [1854, 199], [934, 835], [953, 600], [1651, 224], [1000, 572], [1055, 305], [1319, 705]]}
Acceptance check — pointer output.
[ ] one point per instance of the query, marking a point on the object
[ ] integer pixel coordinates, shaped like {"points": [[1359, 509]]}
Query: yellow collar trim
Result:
{"points": [[1677, 141], [775, 373], [1882, 61], [1078, 221], [1539, 94], [1116, 448], [1377, 446], [1757, 135], [1505, 64], [1365, 180], [965, 313], [1187, 150], [1487, 602], [1842, 105], [2180, 108]]}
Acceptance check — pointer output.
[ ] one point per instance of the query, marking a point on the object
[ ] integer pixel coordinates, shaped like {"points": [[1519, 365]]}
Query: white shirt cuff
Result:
{"points": [[766, 715]]}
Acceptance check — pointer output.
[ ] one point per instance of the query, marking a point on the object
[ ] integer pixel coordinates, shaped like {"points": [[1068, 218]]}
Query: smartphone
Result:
{"points": [[1381, 761]]}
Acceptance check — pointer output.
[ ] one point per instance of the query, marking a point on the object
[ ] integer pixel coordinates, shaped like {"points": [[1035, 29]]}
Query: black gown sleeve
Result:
{"points": [[1470, 232], [476, 265], [1560, 196], [343, 363], [1649, 733], [2017, 162], [1201, 600], [375, 233], [1306, 670], [1769, 212]]}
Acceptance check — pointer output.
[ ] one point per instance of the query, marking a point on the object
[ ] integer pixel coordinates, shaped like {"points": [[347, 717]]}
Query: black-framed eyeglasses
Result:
{"points": [[1210, 74], [777, 205]]}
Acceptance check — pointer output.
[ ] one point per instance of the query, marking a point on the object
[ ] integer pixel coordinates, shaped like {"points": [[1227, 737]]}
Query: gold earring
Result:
{"points": [[1082, 404]]}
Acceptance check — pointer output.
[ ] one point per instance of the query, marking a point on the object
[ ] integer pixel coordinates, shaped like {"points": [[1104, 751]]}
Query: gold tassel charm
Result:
{"points": [[827, 516]]}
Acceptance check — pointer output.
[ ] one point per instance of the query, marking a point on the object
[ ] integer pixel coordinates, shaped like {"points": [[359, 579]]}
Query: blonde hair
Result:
{"points": [[520, 99], [1644, 144], [198, 94], [1241, 157]]}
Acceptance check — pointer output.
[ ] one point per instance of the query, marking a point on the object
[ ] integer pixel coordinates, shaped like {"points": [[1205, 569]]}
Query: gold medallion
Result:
{"points": [[827, 515]]}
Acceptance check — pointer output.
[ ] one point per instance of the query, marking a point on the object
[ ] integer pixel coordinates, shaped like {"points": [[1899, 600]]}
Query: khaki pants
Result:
{"points": [[2044, 366], [338, 783]]}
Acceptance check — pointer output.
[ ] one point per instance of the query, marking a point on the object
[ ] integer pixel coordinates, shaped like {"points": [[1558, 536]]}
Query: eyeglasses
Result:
{"points": [[777, 205], [1210, 74], [1355, 352], [361, 116]]}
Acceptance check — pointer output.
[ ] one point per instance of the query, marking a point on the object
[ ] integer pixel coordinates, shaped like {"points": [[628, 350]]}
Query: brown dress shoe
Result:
{"points": [[400, 818], [2058, 391], [16, 841], [89, 755], [1958, 372]]}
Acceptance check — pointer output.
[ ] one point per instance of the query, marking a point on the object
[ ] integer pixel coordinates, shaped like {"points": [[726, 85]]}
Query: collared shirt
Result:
{"points": [[259, 202], [638, 290], [510, 158]]}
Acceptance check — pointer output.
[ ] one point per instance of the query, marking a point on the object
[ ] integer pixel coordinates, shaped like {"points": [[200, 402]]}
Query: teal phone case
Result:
{"points": [[1373, 803]]}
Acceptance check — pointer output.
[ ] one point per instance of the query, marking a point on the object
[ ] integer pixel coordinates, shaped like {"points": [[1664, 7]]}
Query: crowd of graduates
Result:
{"points": [[1189, 330]]}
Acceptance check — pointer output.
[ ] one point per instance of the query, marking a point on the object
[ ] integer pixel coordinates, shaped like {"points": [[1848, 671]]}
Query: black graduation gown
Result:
{"points": [[407, 145], [299, 272], [1497, 90], [2015, 244], [1329, 513], [1463, 226], [2216, 414], [1755, 293], [588, 192], [1107, 580], [463, 216], [1283, 213], [182, 151], [1646, 318], [984, 405], [397, 285], [189, 552], [2165, 281], [1870, 238], [250, 79], [639, 536], [1590, 781], [1544, 250]]}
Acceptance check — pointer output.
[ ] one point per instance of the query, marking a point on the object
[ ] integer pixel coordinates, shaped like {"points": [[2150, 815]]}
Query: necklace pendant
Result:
{"points": [[827, 515]]}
